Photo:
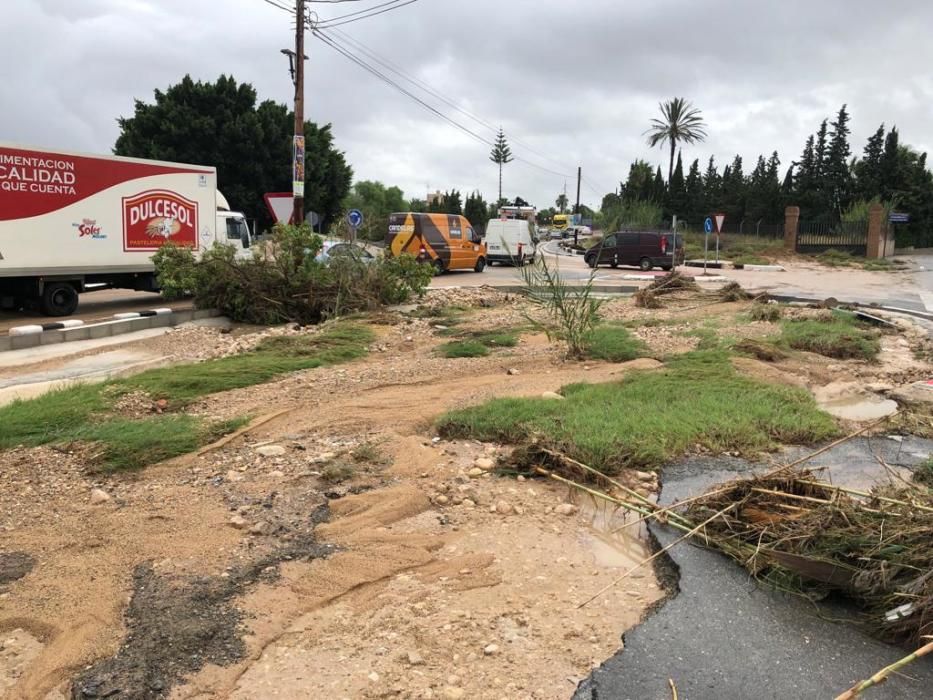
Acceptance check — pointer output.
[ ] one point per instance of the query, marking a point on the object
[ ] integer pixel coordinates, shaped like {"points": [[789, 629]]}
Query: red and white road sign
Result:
{"points": [[719, 220], [281, 206]]}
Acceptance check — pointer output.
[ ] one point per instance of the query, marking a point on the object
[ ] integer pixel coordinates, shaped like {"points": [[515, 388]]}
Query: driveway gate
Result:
{"points": [[848, 236]]}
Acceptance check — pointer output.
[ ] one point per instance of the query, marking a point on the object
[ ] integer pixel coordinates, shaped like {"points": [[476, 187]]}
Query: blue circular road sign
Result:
{"points": [[355, 218], [708, 225]]}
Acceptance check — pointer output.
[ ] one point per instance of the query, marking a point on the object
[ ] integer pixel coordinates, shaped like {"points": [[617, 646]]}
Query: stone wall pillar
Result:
{"points": [[791, 223], [877, 232]]}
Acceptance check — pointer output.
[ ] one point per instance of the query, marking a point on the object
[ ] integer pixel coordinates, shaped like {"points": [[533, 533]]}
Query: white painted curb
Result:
{"points": [[712, 278], [640, 277], [764, 268], [25, 330]]}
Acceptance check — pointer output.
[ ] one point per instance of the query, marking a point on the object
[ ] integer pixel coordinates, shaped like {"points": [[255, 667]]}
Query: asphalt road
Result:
{"points": [[724, 637], [96, 306]]}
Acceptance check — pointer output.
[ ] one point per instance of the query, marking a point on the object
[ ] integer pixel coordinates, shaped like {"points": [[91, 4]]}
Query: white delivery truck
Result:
{"points": [[511, 241], [71, 223]]}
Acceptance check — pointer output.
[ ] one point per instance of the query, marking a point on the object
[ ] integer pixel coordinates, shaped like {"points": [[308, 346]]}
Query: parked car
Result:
{"points": [[338, 249], [643, 249], [446, 241], [511, 241]]}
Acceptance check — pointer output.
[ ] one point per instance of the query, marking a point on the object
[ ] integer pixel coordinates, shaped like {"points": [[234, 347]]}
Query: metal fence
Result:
{"points": [[747, 227], [851, 237]]}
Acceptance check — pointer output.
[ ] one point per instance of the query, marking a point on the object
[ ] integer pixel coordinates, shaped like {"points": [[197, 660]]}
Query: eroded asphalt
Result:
{"points": [[725, 637]]}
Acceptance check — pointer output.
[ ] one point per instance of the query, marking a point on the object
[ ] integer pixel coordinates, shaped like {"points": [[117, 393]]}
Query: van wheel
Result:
{"points": [[59, 299], [438, 266], [592, 263], [480, 265], [645, 264]]}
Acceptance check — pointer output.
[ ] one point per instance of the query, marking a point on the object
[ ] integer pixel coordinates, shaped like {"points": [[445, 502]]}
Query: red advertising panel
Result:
{"points": [[152, 219]]}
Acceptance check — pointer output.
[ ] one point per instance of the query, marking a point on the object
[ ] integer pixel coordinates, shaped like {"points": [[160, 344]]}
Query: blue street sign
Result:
{"points": [[355, 218], [897, 217], [708, 225]]}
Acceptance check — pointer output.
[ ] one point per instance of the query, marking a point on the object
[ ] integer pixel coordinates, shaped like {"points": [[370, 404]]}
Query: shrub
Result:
{"points": [[765, 312], [283, 281]]}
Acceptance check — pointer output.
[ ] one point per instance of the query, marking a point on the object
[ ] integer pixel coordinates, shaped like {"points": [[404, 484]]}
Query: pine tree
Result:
{"points": [[889, 165], [500, 155], [452, 203], [475, 210], [712, 186], [867, 171], [658, 188], [676, 202], [733, 191], [695, 211], [836, 174]]}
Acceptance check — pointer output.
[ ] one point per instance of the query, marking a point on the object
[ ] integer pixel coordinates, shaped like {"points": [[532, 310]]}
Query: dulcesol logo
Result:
{"points": [[156, 217]]}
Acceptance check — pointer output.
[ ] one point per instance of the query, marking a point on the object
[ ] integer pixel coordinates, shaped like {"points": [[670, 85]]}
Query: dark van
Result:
{"points": [[644, 249]]}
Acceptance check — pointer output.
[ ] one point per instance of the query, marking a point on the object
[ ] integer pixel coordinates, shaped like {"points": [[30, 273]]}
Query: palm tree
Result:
{"points": [[561, 202], [682, 122]]}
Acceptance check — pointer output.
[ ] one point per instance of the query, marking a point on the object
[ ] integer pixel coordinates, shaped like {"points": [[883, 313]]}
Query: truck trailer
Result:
{"points": [[71, 223]]}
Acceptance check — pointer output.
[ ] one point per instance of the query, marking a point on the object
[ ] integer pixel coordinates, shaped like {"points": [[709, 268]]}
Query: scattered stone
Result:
{"points": [[519, 510], [513, 371], [233, 476], [643, 476], [441, 500], [503, 508], [373, 676], [99, 496], [238, 522], [475, 473], [484, 463], [452, 693], [565, 509], [491, 649], [261, 528], [553, 395], [469, 502], [276, 474], [415, 659], [270, 450]]}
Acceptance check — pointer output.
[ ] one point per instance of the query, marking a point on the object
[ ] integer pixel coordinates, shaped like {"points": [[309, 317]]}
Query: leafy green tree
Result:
{"points": [[500, 155], [453, 202], [476, 210], [220, 124], [519, 202], [376, 201], [418, 205], [681, 122], [544, 216], [640, 182]]}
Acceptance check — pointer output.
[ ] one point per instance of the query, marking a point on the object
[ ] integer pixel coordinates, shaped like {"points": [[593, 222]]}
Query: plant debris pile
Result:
{"points": [[804, 536]]}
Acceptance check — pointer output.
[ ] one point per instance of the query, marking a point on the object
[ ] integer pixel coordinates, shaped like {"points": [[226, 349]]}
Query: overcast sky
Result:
{"points": [[576, 81]]}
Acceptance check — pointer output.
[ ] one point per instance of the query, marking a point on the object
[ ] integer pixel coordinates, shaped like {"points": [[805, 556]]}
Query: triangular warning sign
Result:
{"points": [[281, 206], [720, 220]]}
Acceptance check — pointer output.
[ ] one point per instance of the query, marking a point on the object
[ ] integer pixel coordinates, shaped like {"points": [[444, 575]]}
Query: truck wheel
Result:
{"points": [[59, 299], [480, 265], [645, 264], [438, 266]]}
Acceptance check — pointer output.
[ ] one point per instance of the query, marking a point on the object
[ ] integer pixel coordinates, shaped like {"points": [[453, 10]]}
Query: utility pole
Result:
{"points": [[298, 157], [576, 209]]}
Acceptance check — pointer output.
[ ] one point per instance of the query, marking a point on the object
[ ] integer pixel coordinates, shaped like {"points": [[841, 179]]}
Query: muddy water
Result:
{"points": [[614, 538], [859, 407]]}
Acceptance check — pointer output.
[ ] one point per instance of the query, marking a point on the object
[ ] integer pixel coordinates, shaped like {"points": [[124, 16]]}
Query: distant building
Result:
{"points": [[436, 198]]}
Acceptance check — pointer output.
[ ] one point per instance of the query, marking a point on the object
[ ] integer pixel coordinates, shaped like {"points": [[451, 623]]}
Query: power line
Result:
{"points": [[289, 10], [365, 66], [365, 14]]}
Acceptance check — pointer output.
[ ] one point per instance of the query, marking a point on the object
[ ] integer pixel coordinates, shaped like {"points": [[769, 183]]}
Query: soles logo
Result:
{"points": [[88, 228], [152, 219]]}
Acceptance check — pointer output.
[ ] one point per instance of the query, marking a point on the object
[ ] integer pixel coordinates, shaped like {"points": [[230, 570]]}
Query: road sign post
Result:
{"points": [[719, 220], [707, 230], [355, 219], [674, 243]]}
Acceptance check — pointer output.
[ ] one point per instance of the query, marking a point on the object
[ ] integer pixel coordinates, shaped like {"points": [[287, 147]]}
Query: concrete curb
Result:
{"points": [[30, 337], [763, 268], [787, 298]]}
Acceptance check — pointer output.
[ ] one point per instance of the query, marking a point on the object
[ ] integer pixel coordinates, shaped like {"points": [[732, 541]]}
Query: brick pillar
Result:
{"points": [[791, 222], [876, 232]]}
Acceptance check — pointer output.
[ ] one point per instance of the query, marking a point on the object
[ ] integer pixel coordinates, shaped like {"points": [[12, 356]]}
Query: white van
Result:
{"points": [[510, 241]]}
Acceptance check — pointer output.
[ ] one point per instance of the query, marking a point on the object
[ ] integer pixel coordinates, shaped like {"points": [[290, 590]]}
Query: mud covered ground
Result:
{"points": [[339, 550]]}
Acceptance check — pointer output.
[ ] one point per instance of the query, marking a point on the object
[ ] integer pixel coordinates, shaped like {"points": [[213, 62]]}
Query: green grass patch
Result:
{"points": [[841, 338], [766, 312], [923, 473], [463, 348], [614, 343], [653, 417], [836, 258], [884, 265], [79, 413], [134, 444], [275, 356]]}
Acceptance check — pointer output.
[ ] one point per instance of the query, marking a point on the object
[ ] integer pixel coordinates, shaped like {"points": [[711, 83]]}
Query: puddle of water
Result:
{"points": [[612, 545], [859, 408]]}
